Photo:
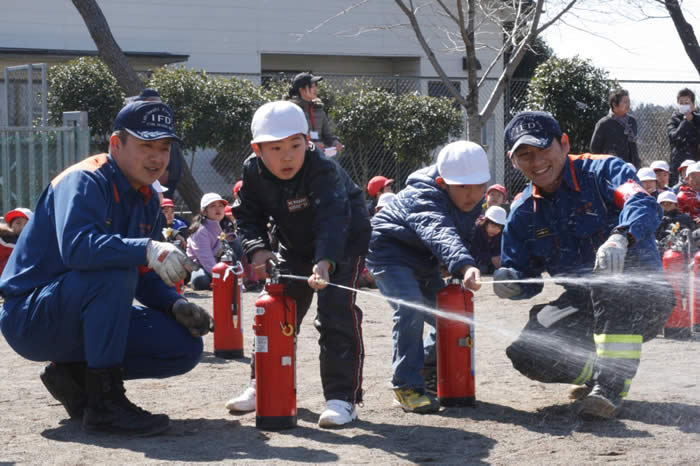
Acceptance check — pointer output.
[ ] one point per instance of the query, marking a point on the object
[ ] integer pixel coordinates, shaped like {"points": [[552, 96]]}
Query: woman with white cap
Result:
{"points": [[204, 245]]}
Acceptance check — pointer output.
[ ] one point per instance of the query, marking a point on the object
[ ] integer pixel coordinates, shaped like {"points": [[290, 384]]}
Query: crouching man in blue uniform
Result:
{"points": [[87, 253], [581, 214]]}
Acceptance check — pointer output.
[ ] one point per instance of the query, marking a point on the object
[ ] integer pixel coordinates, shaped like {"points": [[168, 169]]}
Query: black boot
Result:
{"points": [[66, 382], [109, 410]]}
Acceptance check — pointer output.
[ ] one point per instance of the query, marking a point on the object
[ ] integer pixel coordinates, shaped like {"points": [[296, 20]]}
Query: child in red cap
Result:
{"points": [[377, 186], [15, 219]]}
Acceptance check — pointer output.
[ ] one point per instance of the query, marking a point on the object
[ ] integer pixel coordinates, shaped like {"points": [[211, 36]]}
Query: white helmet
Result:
{"points": [[496, 214], [463, 162], [646, 174], [667, 196]]}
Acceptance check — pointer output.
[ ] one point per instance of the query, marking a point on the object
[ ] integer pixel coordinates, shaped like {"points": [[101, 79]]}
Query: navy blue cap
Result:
{"points": [[305, 79], [532, 128], [147, 120], [148, 93]]}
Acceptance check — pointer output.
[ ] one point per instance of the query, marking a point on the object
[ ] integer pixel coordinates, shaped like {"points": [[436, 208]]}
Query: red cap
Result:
{"points": [[167, 202], [237, 186], [377, 183], [228, 210], [18, 212], [498, 187]]}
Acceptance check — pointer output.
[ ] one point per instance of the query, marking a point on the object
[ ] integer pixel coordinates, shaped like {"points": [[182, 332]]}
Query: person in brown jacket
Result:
{"points": [[304, 93]]}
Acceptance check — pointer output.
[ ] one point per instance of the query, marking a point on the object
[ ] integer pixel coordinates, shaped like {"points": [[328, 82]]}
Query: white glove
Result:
{"points": [[192, 317], [506, 290], [168, 262], [610, 257]]}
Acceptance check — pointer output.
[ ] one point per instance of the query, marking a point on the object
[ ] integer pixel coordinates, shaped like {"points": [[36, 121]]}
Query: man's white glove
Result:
{"points": [[506, 290], [168, 262], [192, 317], [610, 257]]}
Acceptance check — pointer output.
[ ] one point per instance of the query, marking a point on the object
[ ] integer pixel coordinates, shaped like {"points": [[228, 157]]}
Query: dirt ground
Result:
{"points": [[515, 421]]}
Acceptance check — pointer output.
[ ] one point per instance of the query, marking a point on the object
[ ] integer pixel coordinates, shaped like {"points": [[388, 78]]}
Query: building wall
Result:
{"points": [[231, 36], [252, 36]]}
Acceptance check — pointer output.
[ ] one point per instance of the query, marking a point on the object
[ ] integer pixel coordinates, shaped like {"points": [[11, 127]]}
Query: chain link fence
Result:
{"points": [[653, 102], [216, 172], [652, 105]]}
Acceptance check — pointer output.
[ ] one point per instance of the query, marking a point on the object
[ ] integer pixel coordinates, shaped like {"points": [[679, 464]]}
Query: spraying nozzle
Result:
{"points": [[273, 271]]}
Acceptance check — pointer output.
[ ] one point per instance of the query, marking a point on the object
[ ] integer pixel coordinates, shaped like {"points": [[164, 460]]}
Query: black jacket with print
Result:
{"points": [[319, 214]]}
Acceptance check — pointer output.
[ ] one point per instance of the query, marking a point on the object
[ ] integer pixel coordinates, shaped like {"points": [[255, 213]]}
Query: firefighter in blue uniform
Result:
{"points": [[581, 214], [89, 250]]}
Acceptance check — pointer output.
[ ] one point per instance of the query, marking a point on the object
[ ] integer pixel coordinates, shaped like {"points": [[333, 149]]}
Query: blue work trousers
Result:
{"points": [[410, 351], [89, 316]]}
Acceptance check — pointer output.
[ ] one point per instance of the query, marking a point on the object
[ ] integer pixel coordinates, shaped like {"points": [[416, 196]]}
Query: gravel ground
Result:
{"points": [[515, 421]]}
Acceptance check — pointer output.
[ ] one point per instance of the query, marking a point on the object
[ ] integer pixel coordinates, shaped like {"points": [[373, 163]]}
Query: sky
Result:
{"points": [[627, 48]]}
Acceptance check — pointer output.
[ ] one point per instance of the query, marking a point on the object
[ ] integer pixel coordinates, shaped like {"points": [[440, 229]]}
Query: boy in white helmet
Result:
{"points": [[428, 223], [323, 230], [663, 173], [648, 179]]}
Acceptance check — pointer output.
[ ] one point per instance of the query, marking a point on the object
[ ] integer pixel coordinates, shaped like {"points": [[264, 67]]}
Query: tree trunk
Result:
{"points": [[685, 32], [108, 48], [129, 81]]}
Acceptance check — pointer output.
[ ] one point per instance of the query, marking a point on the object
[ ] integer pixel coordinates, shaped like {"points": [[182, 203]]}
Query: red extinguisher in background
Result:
{"points": [[694, 294], [226, 299], [275, 358], [674, 264], [455, 346]]}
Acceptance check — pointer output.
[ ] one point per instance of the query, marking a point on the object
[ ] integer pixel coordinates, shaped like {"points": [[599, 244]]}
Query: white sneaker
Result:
{"points": [[337, 413], [245, 402]]}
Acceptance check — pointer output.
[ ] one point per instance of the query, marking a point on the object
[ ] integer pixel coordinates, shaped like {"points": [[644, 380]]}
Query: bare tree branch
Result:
{"points": [[409, 12], [557, 17], [327, 20]]}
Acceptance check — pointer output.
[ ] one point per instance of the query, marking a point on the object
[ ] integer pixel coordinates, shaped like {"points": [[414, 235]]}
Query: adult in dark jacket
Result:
{"points": [[304, 93], [427, 224], [683, 131], [616, 133], [323, 230]]}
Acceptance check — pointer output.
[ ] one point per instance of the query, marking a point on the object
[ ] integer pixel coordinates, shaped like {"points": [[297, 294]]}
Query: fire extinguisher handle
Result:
{"points": [[454, 280]]}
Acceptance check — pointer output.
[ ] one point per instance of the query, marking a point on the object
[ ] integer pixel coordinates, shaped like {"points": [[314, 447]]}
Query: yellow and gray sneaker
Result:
{"points": [[413, 400]]}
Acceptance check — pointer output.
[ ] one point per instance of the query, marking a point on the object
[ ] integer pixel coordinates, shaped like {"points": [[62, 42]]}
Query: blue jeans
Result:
{"points": [[410, 352]]}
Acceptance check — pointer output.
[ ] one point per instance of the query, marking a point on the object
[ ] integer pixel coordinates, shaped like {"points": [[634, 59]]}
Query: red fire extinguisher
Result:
{"points": [[226, 297], [678, 323], [275, 359], [455, 346], [694, 295]]}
